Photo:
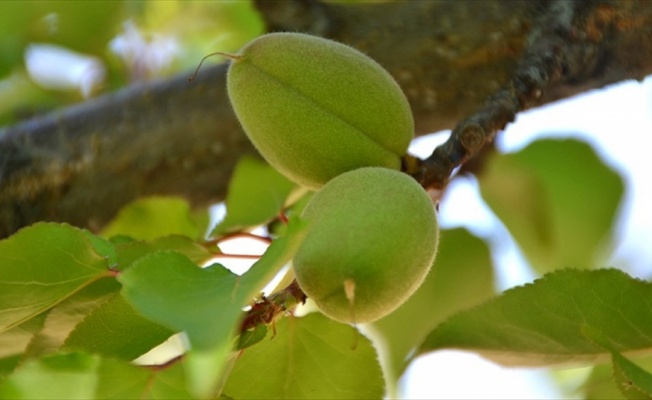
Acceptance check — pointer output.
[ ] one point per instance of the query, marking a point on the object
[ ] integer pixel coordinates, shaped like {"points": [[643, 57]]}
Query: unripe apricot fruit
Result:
{"points": [[372, 238], [315, 108]]}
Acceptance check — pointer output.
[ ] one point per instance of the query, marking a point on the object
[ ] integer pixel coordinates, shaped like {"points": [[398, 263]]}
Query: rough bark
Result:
{"points": [[469, 65]]}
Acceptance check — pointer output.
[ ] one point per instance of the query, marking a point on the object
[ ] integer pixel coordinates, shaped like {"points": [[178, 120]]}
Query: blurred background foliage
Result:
{"points": [[54, 53]]}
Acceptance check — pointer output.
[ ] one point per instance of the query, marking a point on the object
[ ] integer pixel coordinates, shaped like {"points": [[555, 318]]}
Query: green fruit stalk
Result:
{"points": [[372, 240], [315, 108]]}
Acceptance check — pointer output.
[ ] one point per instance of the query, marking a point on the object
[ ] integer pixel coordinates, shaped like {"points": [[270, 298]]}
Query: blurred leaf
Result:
{"points": [[309, 358], [153, 217], [43, 265], [632, 380], [461, 277], [20, 97], [84, 27], [8, 364], [203, 27], [15, 19], [70, 376], [239, 22], [298, 200], [546, 322], [84, 376], [558, 200], [63, 318], [115, 329], [14, 341], [601, 383], [206, 303], [201, 218], [257, 193]]}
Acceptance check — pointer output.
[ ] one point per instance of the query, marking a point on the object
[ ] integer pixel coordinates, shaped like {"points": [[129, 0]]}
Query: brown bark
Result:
{"points": [[469, 65]]}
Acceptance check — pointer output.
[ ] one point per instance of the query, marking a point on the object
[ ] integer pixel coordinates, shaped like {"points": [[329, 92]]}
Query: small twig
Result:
{"points": [[268, 309], [239, 256], [558, 51], [216, 241], [169, 363]]}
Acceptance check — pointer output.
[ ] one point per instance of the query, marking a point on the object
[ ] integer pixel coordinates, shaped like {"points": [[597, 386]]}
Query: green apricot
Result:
{"points": [[315, 108], [372, 238]]}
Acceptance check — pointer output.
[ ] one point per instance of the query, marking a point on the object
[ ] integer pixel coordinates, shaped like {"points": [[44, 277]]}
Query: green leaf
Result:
{"points": [[309, 358], [131, 251], [558, 200], [104, 248], [547, 322], [632, 380], [115, 329], [169, 289], [41, 266], [153, 217], [257, 193], [65, 316], [206, 369], [461, 277], [206, 303], [119, 380], [200, 295]]}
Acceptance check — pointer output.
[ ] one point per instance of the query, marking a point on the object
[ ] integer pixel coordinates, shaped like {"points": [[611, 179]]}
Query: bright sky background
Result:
{"points": [[617, 122]]}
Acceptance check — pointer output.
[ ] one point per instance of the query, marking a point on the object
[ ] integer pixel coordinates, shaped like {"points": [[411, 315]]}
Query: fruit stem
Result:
{"points": [[234, 57]]}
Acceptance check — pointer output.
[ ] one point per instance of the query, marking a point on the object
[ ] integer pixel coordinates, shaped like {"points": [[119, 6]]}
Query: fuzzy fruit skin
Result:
{"points": [[315, 108], [374, 227]]}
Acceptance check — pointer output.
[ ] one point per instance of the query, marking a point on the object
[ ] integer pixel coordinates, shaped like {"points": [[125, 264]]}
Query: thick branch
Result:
{"points": [[82, 163], [574, 45]]}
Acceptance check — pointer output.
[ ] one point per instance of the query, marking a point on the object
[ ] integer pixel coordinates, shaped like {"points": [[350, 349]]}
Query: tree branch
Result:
{"points": [[82, 163], [575, 44]]}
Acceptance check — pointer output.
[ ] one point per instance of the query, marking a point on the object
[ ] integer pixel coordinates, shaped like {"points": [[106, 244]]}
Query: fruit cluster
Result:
{"points": [[332, 119]]}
